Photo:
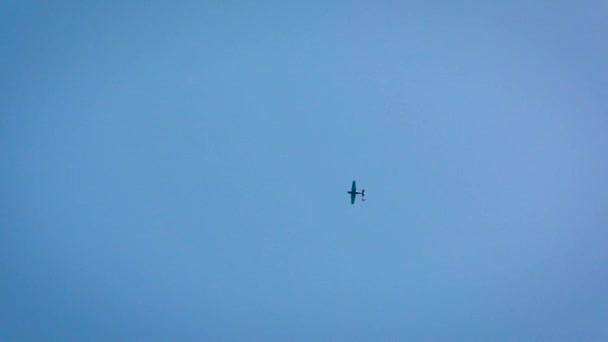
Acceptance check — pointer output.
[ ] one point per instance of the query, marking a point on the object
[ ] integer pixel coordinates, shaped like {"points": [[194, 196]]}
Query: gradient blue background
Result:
{"points": [[178, 170]]}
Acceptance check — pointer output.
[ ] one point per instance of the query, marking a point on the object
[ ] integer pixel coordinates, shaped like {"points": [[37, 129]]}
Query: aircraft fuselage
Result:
{"points": [[353, 193]]}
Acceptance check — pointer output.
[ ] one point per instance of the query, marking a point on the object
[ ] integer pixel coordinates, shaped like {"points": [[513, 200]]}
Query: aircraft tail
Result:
{"points": [[363, 193]]}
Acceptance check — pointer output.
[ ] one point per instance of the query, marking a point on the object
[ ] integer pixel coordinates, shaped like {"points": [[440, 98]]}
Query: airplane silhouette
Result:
{"points": [[353, 193]]}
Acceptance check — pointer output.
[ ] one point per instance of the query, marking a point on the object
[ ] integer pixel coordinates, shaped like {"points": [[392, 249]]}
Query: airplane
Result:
{"points": [[353, 193]]}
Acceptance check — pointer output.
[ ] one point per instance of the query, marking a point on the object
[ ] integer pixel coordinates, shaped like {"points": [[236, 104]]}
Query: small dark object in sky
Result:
{"points": [[353, 193]]}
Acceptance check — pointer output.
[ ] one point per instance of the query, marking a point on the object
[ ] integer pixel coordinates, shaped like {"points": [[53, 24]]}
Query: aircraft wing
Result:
{"points": [[354, 188], [352, 197]]}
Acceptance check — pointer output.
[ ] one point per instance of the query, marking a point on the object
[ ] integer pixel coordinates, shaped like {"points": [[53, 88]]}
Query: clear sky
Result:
{"points": [[177, 170]]}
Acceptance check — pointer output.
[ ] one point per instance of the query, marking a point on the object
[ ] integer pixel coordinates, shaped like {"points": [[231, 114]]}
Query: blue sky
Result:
{"points": [[178, 170]]}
